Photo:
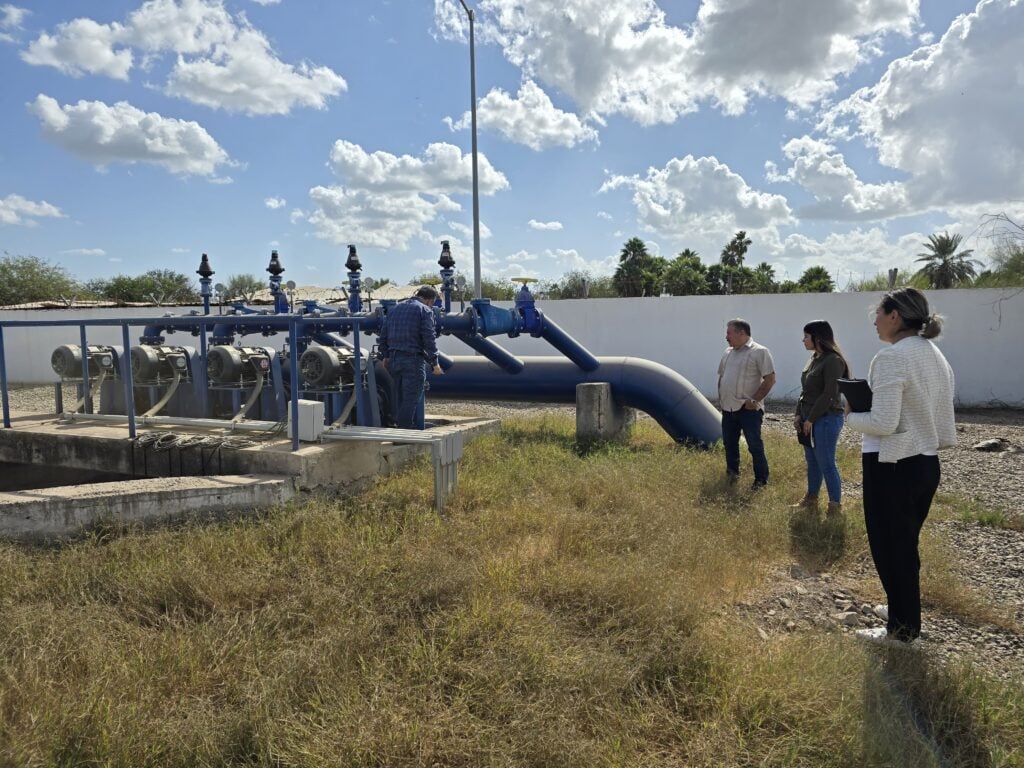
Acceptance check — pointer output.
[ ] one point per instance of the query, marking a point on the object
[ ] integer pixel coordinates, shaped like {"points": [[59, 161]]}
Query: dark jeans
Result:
{"points": [[409, 374], [749, 423], [897, 498]]}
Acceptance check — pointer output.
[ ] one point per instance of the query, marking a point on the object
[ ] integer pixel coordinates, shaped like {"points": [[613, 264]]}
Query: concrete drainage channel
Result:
{"points": [[60, 478]]}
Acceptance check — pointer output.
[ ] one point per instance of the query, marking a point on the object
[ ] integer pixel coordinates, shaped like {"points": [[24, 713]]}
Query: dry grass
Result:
{"points": [[569, 610]]}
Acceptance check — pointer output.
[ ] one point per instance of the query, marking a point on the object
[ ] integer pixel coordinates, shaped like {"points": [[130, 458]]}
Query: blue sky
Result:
{"points": [[138, 135]]}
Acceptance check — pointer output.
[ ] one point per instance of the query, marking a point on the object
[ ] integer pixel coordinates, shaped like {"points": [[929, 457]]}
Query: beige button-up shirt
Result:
{"points": [[741, 372]]}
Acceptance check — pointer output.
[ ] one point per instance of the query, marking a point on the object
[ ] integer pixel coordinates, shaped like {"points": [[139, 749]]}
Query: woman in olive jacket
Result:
{"points": [[819, 414]]}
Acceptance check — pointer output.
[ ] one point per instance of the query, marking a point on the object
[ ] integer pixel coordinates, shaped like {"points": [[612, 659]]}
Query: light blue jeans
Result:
{"points": [[821, 459]]}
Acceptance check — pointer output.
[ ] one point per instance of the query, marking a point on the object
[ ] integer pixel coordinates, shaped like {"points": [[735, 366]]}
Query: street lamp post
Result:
{"points": [[476, 184]]}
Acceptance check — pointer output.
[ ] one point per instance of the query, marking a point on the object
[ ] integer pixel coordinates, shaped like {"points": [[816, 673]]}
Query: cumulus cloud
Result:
{"points": [[221, 60], [443, 169], [296, 215], [604, 215], [701, 197], [102, 134], [625, 58], [549, 226], [387, 200], [275, 202], [267, 2], [15, 209], [838, 193], [950, 114], [853, 255], [530, 119]]}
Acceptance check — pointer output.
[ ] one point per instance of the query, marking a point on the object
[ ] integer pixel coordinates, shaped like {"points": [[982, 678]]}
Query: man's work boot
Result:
{"points": [[835, 508]]}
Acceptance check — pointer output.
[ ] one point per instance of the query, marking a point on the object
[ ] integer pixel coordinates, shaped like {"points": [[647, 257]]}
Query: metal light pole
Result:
{"points": [[476, 185]]}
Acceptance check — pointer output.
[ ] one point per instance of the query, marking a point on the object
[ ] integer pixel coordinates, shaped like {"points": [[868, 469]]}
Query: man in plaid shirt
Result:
{"points": [[408, 346]]}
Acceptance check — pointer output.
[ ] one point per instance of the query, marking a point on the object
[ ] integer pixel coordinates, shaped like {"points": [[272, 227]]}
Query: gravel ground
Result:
{"points": [[989, 559]]}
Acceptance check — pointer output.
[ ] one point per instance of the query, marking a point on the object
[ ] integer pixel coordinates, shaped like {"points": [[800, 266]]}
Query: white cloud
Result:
{"points": [[296, 215], [701, 198], [181, 250], [104, 134], [82, 47], [275, 202], [267, 2], [838, 193], [604, 215], [624, 58], [850, 255], [443, 169], [545, 225], [245, 76], [15, 209], [11, 17], [466, 230], [388, 200], [115, 260], [84, 252], [950, 114], [530, 119], [221, 61]]}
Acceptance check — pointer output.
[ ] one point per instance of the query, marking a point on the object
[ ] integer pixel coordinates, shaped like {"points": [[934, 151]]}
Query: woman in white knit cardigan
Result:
{"points": [[911, 418]]}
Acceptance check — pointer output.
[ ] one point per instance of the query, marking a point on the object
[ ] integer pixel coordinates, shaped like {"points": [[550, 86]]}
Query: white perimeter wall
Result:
{"points": [[983, 337]]}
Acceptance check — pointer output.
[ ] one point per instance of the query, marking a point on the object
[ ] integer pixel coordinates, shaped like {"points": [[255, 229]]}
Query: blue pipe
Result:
{"points": [[496, 354], [567, 345], [6, 404], [681, 410]]}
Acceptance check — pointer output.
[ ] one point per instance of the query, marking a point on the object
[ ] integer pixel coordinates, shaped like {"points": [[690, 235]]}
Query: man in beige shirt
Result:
{"points": [[746, 375]]}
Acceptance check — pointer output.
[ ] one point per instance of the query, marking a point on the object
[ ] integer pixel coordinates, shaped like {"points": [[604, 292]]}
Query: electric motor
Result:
{"points": [[66, 361], [158, 364], [327, 366], [236, 365]]}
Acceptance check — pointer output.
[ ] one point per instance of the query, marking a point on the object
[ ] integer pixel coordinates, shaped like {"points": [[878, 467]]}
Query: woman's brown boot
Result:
{"points": [[835, 508], [807, 502]]}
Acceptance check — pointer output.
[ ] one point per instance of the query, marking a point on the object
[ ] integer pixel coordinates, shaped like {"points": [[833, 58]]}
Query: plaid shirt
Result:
{"points": [[409, 327]]}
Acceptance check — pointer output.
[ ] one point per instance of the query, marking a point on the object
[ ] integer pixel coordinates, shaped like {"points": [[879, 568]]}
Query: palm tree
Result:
{"points": [[944, 266]]}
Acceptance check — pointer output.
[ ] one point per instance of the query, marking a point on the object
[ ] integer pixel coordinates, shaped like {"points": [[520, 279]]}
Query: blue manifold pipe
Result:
{"points": [[678, 406]]}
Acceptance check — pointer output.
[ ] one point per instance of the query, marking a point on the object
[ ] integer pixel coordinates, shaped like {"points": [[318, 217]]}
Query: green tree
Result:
{"points": [[242, 287], [945, 266], [815, 280], [763, 279], [581, 284], [1007, 270], [735, 250], [638, 273], [28, 278], [687, 275], [162, 286]]}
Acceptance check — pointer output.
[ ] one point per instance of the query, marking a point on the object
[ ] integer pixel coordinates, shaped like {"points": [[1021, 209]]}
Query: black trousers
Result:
{"points": [[897, 498]]}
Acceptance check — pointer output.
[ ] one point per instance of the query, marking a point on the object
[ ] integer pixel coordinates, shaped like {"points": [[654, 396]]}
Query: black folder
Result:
{"points": [[857, 394]]}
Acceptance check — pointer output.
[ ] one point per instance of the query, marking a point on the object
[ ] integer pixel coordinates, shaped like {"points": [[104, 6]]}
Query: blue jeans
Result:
{"points": [[821, 459], [749, 423], [409, 374]]}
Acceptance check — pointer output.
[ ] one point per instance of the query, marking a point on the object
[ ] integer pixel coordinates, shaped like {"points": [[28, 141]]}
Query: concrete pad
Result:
{"points": [[170, 481], [65, 511]]}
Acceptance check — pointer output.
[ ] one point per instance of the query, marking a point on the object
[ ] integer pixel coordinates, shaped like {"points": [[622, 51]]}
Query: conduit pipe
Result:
{"points": [[678, 406], [177, 421]]}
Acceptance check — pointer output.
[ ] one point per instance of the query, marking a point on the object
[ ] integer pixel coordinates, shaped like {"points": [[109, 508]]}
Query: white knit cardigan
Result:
{"points": [[912, 400]]}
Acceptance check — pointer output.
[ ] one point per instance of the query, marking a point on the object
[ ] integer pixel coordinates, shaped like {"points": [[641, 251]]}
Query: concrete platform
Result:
{"points": [[163, 481]]}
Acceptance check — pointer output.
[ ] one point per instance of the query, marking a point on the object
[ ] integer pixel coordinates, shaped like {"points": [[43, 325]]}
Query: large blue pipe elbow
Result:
{"points": [[496, 354], [678, 406]]}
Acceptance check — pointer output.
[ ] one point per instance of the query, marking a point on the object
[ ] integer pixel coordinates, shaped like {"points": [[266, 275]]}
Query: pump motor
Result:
{"points": [[66, 361], [158, 364], [239, 366], [327, 366]]}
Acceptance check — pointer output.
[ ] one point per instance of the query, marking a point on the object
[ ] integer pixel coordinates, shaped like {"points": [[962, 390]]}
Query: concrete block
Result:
{"points": [[598, 417]]}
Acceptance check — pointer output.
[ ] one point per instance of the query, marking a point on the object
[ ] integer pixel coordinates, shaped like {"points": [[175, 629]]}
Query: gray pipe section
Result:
{"points": [[678, 406]]}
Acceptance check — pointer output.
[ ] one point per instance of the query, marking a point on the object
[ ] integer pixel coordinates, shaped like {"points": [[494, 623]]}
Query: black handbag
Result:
{"points": [[801, 437]]}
